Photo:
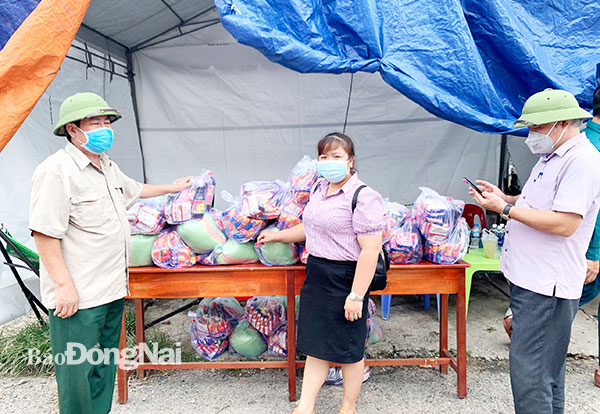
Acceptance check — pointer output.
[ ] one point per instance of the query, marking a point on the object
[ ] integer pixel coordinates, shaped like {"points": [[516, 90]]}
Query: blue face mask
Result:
{"points": [[333, 171], [98, 140]]}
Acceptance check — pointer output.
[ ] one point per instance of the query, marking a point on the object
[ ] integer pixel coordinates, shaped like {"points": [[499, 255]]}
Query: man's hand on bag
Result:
{"points": [[181, 184], [593, 267], [67, 301], [353, 309]]}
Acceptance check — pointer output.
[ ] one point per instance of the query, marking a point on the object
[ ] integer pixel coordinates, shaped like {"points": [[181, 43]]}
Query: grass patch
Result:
{"points": [[15, 351], [15, 348]]}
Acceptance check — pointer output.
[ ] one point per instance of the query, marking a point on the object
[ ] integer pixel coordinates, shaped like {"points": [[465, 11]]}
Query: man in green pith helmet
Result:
{"points": [[79, 200], [549, 228]]}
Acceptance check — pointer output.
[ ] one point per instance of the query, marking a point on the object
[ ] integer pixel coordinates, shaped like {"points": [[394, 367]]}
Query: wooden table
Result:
{"points": [[259, 280]]}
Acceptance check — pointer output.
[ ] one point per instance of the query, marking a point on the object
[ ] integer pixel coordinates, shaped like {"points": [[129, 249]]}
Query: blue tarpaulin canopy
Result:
{"points": [[473, 62]]}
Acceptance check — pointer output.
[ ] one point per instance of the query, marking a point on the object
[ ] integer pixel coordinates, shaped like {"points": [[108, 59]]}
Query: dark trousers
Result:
{"points": [[590, 291], [538, 350], [84, 387]]}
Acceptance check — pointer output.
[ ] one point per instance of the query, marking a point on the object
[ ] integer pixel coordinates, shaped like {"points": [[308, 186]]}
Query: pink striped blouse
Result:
{"points": [[330, 226]]}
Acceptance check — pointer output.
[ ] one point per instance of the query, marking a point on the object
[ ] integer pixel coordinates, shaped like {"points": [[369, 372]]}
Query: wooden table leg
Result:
{"points": [[140, 334], [461, 336], [290, 276], [443, 329], [122, 373]]}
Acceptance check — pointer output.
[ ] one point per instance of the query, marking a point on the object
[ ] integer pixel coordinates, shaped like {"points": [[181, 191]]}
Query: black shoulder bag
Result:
{"points": [[383, 263]]}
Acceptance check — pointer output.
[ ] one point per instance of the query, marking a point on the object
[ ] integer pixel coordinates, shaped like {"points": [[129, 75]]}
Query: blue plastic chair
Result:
{"points": [[386, 304]]}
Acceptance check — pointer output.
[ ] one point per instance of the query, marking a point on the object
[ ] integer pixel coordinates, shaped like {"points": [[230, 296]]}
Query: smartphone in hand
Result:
{"points": [[473, 185]]}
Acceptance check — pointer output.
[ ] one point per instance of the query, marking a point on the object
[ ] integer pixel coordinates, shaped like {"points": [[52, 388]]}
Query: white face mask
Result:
{"points": [[539, 143]]}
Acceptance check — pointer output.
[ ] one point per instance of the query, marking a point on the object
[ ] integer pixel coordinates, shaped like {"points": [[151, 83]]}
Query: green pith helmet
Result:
{"points": [[550, 105], [83, 105]]}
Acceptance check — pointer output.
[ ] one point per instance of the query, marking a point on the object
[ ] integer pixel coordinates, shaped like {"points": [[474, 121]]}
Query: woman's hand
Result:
{"points": [[268, 237], [353, 309]]}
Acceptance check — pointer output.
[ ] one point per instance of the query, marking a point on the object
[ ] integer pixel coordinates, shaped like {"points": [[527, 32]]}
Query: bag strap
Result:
{"points": [[355, 198]]}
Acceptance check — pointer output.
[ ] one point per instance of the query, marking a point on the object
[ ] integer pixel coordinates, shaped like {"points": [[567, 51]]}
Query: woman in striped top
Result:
{"points": [[344, 246]]}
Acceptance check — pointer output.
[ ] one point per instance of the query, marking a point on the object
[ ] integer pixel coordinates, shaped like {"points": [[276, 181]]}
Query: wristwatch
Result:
{"points": [[506, 211], [354, 296]]}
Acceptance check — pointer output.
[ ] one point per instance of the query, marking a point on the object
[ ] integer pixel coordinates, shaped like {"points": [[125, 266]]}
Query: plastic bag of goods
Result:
{"points": [[291, 213], [203, 342], [277, 253], [277, 342], [169, 251], [303, 253], [145, 216], [371, 307], [302, 178], [232, 253], [374, 333], [237, 225], [395, 214], [262, 199], [217, 217], [202, 235], [404, 244], [266, 313], [226, 307], [247, 341], [192, 202], [141, 250], [453, 249], [436, 215]]}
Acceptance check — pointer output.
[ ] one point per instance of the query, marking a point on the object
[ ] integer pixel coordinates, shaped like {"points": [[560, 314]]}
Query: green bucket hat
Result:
{"points": [[550, 105], [80, 106]]}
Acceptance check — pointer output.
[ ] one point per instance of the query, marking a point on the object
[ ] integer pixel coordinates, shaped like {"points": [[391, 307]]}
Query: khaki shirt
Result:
{"points": [[86, 209]]}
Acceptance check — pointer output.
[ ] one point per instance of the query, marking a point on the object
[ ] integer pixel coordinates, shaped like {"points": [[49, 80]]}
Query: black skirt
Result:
{"points": [[323, 330]]}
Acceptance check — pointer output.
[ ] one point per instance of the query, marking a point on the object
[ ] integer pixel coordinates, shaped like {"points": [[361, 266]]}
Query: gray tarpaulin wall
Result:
{"points": [[206, 101]]}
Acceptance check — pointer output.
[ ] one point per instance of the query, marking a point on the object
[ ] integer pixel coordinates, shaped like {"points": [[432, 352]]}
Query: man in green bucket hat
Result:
{"points": [[549, 229], [78, 218]]}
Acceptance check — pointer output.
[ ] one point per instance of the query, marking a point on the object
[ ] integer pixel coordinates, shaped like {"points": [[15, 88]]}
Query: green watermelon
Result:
{"points": [[201, 235], [141, 250]]}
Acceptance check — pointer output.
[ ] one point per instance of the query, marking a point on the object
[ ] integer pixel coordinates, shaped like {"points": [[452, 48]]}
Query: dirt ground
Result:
{"points": [[411, 330]]}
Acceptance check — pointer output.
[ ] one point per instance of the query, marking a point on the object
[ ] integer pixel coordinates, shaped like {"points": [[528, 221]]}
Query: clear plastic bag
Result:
{"points": [[436, 215], [226, 307], [302, 178], [146, 217], [237, 225], [374, 333], [453, 249], [303, 253], [202, 235], [192, 202], [247, 341], [141, 250], [169, 251], [372, 308], [266, 313], [277, 342], [395, 214], [232, 253], [404, 244], [209, 333], [276, 253], [262, 199], [291, 213]]}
